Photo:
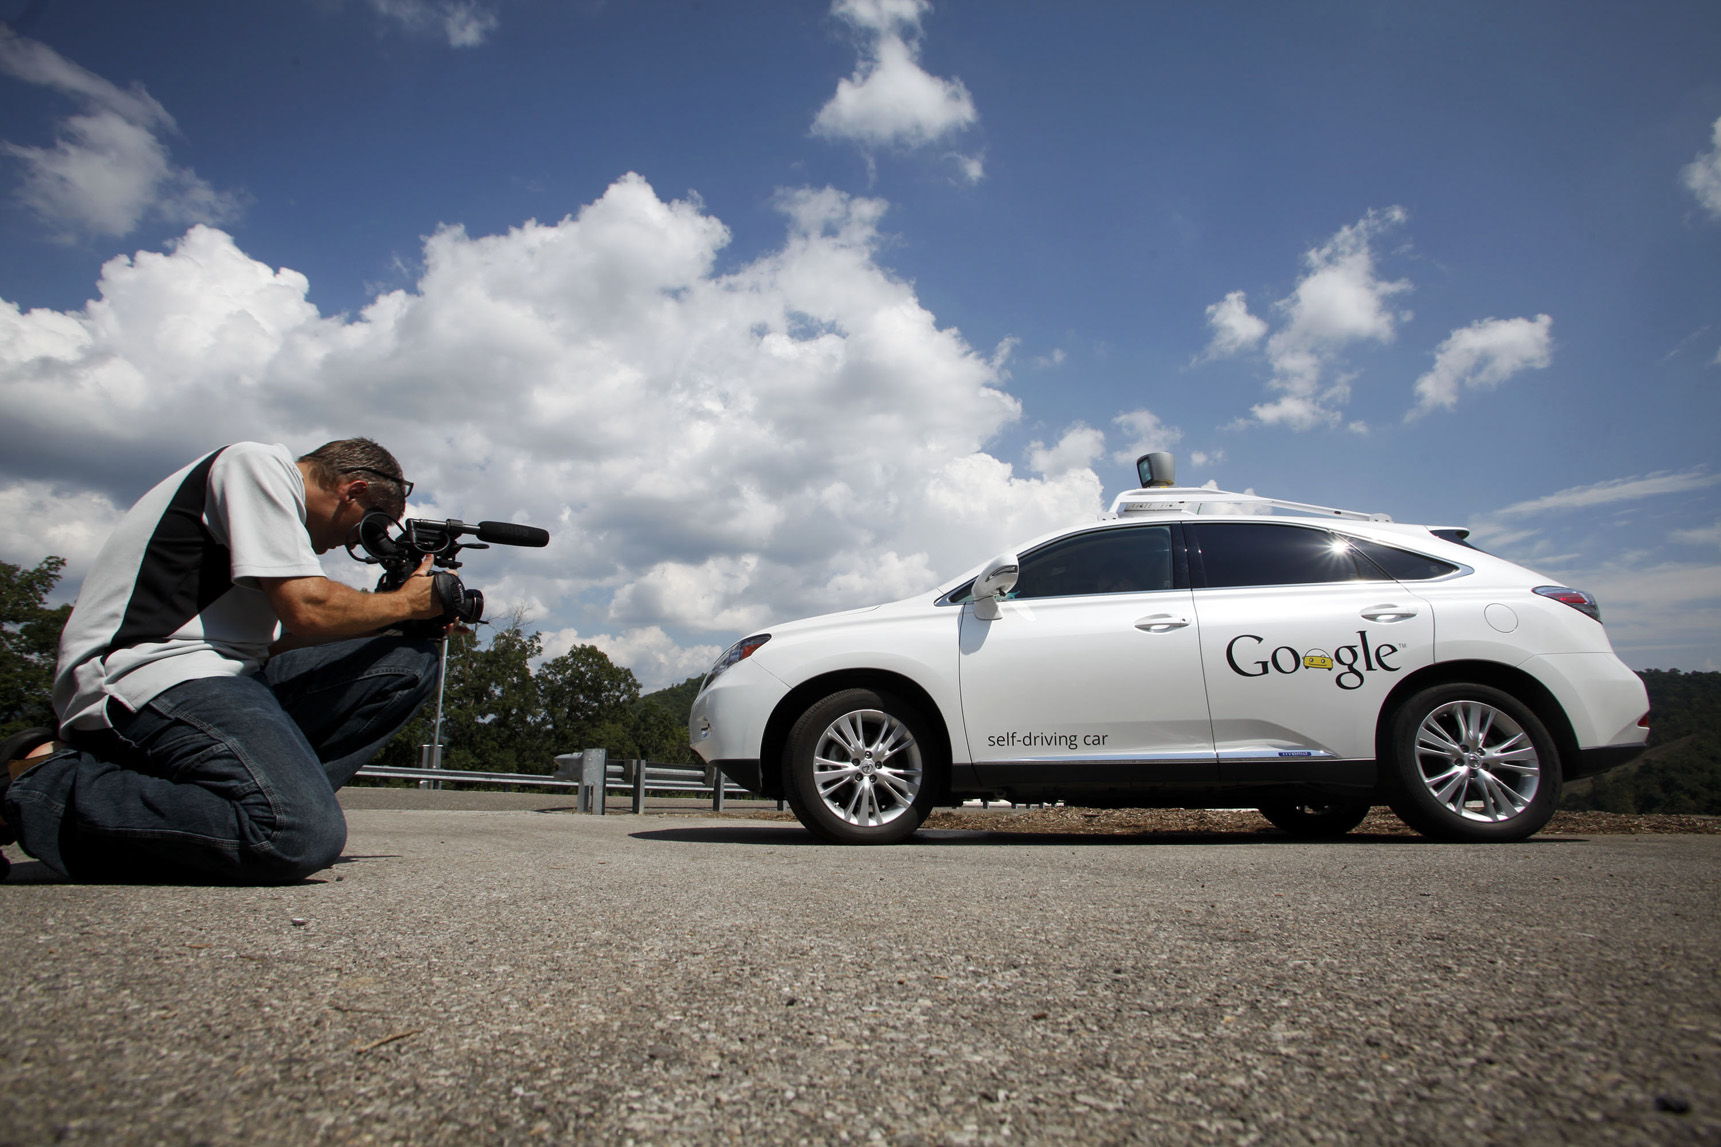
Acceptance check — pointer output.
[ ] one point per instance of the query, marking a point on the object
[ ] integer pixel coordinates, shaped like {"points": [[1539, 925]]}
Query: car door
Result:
{"points": [[1302, 639], [1090, 672]]}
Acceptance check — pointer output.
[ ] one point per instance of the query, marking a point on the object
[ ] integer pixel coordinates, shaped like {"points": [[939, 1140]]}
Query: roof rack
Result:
{"points": [[1201, 500]]}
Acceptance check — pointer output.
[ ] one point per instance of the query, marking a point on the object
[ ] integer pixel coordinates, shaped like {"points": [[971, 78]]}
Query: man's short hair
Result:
{"points": [[333, 462]]}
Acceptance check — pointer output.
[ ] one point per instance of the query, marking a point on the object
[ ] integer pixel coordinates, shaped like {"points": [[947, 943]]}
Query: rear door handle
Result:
{"points": [[1161, 623], [1389, 612]]}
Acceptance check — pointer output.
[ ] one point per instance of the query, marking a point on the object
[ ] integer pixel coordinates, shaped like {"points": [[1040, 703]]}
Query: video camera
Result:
{"points": [[400, 553]]}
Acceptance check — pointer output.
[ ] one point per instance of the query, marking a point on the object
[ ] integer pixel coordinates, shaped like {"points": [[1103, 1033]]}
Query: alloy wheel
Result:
{"points": [[1477, 761], [867, 767]]}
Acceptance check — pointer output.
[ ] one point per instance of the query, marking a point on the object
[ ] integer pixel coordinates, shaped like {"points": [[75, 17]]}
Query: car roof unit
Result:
{"points": [[1160, 494], [1203, 500]]}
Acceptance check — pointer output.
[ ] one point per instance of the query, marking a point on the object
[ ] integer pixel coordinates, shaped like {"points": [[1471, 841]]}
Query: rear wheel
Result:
{"points": [[1469, 762], [1314, 820], [859, 768]]}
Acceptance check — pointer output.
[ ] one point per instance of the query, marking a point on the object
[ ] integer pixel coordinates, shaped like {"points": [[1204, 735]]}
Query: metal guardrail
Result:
{"points": [[593, 777], [637, 778], [435, 778]]}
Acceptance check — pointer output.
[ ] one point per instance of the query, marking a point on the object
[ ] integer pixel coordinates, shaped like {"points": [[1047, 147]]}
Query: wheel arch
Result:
{"points": [[1516, 682], [795, 702]]}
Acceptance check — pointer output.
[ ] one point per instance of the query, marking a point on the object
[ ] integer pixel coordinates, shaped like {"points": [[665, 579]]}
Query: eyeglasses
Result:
{"points": [[405, 486]]}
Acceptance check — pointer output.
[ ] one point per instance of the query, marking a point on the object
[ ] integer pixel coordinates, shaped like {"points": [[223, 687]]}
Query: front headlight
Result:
{"points": [[738, 652]]}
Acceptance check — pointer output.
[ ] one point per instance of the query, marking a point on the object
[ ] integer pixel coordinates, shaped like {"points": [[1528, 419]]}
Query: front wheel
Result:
{"points": [[1316, 820], [1469, 762], [858, 768]]}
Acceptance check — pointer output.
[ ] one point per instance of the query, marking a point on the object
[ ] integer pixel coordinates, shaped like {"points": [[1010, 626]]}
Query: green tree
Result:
{"points": [[659, 735], [587, 702], [501, 716], [29, 641], [492, 717]]}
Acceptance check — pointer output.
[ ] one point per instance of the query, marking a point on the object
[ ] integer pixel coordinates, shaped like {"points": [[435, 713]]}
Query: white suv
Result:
{"points": [[1193, 648]]}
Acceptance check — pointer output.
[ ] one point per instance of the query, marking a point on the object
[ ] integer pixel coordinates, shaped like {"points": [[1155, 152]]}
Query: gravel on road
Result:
{"points": [[502, 975]]}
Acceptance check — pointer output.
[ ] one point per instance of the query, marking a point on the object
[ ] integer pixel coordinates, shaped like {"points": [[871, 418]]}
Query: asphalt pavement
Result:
{"points": [[499, 970]]}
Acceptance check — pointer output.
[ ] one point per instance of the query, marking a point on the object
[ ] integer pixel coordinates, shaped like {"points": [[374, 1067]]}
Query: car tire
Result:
{"points": [[1316, 819], [859, 768], [1471, 763]]}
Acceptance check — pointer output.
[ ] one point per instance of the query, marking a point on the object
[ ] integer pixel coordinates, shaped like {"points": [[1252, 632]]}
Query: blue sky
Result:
{"points": [[771, 308]]}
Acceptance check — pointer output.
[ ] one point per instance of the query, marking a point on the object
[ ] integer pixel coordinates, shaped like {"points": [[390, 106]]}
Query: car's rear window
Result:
{"points": [[1400, 565]]}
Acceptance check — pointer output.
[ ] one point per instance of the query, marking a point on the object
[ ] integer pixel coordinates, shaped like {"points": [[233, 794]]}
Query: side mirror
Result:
{"points": [[996, 579]]}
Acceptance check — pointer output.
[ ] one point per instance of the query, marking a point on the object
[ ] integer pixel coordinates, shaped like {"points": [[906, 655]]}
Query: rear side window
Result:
{"points": [[1249, 554], [1136, 559], [1400, 565]]}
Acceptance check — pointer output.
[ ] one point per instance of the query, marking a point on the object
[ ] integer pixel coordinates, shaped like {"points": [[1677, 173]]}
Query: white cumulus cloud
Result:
{"points": [[1234, 328], [710, 451], [1144, 432], [1480, 357], [1076, 449], [1342, 302], [653, 655], [109, 168], [1703, 174], [463, 23], [890, 100], [1339, 302]]}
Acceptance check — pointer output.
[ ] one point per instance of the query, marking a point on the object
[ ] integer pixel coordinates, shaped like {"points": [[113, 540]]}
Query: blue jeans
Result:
{"points": [[225, 779]]}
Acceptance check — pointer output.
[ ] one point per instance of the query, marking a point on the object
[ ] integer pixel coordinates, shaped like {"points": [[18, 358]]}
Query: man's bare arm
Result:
{"points": [[317, 609]]}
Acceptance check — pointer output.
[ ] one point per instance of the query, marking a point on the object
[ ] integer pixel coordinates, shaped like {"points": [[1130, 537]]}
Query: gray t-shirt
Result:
{"points": [[174, 594]]}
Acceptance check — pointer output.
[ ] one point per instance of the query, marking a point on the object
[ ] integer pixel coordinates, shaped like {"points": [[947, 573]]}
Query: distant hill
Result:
{"points": [[1681, 770], [678, 699], [1683, 776]]}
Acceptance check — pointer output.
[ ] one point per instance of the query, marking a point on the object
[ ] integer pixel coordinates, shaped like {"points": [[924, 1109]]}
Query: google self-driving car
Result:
{"points": [[1193, 648]]}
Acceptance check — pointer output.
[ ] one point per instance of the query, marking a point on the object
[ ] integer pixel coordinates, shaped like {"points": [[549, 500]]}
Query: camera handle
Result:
{"points": [[449, 592]]}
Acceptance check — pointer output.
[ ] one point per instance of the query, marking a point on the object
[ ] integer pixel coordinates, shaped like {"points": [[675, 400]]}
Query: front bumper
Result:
{"points": [[728, 719], [747, 774]]}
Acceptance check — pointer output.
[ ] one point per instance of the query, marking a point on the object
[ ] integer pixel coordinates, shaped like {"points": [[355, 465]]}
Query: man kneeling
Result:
{"points": [[197, 746]]}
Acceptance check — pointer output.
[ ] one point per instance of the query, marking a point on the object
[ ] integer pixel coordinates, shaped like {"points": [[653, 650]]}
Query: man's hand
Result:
{"points": [[316, 608]]}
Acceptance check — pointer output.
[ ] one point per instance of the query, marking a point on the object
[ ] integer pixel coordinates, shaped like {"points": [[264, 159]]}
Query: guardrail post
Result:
{"points": [[429, 757], [589, 769], [594, 776], [637, 775]]}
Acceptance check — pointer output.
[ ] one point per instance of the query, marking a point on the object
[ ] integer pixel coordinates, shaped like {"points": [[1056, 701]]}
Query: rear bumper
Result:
{"points": [[1589, 762], [1602, 700]]}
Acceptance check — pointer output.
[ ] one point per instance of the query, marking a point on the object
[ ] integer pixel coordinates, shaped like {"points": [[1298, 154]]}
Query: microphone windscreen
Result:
{"points": [[509, 534]]}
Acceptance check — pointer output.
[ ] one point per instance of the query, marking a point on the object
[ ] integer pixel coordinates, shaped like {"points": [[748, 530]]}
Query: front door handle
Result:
{"points": [[1389, 612], [1161, 623]]}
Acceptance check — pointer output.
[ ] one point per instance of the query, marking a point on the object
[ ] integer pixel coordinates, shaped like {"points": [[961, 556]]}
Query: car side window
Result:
{"points": [[1400, 565], [1134, 559], [1261, 553]]}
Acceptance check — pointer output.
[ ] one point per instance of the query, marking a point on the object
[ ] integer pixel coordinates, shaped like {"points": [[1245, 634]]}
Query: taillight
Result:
{"points": [[1576, 598]]}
